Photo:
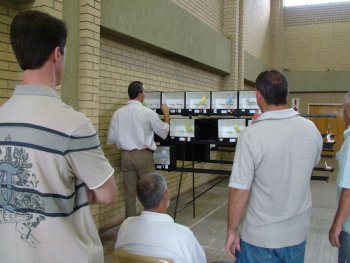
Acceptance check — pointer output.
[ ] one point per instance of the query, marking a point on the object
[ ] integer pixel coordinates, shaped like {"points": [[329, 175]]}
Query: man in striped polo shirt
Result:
{"points": [[51, 162]]}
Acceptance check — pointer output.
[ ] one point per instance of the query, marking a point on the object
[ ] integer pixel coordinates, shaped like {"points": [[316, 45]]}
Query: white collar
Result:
{"points": [[134, 101], [277, 114], [37, 90], [156, 216]]}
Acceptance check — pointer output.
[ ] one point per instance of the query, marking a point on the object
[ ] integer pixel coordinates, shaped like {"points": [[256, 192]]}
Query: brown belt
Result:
{"points": [[134, 150]]}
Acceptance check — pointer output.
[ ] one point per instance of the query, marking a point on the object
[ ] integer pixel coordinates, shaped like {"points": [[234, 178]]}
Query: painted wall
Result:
{"points": [[209, 12], [166, 26]]}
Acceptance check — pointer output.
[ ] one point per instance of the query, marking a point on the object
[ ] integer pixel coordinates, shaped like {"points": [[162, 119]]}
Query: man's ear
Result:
{"points": [[57, 53], [167, 194], [258, 95]]}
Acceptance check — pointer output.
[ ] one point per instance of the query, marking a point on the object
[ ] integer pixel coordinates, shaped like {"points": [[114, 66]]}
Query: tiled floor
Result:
{"points": [[210, 222]]}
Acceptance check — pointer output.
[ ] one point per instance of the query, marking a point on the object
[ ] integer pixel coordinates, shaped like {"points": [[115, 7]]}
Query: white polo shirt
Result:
{"points": [[133, 127], [274, 159], [48, 153], [156, 234]]}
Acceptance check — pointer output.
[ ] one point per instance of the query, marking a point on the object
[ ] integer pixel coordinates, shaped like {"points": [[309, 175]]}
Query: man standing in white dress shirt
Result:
{"points": [[154, 233], [132, 129]]}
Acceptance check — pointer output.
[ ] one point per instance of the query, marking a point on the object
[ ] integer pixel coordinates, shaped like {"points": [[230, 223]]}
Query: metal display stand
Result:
{"points": [[220, 146], [194, 170], [327, 147]]}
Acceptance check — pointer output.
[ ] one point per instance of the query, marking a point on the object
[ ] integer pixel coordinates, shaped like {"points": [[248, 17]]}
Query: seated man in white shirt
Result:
{"points": [[154, 233]]}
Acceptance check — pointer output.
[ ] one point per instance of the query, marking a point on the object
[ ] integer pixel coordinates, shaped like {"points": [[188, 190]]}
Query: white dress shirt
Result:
{"points": [[133, 127], [156, 234]]}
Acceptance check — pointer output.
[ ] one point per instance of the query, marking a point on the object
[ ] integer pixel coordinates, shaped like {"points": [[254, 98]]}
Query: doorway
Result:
{"points": [[333, 125]]}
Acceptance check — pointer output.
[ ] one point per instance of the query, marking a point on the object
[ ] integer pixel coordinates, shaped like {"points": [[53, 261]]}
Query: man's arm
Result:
{"points": [[161, 128], [165, 110], [341, 215], [238, 199], [320, 146], [104, 194], [112, 131]]}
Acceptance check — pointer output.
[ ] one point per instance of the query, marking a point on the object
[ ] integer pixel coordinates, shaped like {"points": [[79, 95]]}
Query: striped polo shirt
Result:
{"points": [[49, 153]]}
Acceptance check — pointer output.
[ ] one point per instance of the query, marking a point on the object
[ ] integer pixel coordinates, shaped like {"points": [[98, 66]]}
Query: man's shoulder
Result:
{"points": [[74, 116], [145, 111], [122, 108], [306, 124], [57, 116], [66, 119], [297, 119], [134, 106], [182, 229], [295, 124]]}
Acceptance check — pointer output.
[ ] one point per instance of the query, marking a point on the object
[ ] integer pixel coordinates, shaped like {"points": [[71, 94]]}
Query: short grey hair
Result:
{"points": [[151, 189], [347, 98]]}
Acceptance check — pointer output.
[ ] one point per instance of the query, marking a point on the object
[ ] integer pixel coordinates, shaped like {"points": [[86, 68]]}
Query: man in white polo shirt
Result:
{"points": [[51, 162], [132, 129], [154, 233], [271, 176]]}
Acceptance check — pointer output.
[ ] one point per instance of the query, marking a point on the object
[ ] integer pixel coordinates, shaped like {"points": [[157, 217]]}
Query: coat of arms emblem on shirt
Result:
{"points": [[18, 198]]}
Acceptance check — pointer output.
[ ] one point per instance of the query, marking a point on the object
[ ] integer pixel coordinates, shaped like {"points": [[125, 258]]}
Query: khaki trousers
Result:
{"points": [[134, 165]]}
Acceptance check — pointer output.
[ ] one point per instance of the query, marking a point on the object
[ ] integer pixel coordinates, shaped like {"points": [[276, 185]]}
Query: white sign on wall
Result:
{"points": [[295, 104]]}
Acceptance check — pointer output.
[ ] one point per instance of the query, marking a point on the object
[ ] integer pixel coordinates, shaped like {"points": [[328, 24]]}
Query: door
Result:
{"points": [[334, 125]]}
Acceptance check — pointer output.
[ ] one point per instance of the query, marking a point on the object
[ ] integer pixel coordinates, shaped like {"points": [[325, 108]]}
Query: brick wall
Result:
{"points": [[89, 77], [317, 37], [276, 34], [9, 69], [89, 58], [256, 28], [232, 30], [208, 11]]}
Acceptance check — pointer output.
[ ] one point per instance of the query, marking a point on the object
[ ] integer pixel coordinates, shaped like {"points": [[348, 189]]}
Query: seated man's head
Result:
{"points": [[153, 193]]}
